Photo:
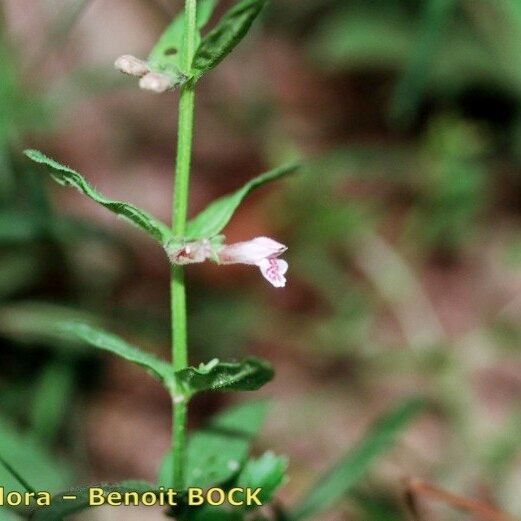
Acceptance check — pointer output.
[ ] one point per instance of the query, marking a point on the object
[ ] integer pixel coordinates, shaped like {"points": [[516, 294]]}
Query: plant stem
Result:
{"points": [[179, 216]]}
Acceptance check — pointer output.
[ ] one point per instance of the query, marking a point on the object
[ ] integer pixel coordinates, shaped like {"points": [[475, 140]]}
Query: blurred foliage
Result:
{"points": [[432, 187], [38, 283]]}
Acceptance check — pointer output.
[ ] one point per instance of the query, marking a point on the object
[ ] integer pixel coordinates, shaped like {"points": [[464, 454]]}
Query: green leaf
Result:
{"points": [[52, 396], [113, 344], [249, 375], [33, 323], [216, 216], [68, 177], [349, 470], [16, 475], [205, 9], [230, 30], [267, 472], [244, 419], [166, 55], [61, 508], [23, 456], [217, 453]]}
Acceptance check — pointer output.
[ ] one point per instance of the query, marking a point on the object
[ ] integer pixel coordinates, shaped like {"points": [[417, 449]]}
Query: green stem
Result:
{"points": [[179, 216], [179, 361]]}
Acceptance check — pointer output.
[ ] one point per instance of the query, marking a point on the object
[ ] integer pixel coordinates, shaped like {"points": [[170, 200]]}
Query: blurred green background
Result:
{"points": [[404, 235]]}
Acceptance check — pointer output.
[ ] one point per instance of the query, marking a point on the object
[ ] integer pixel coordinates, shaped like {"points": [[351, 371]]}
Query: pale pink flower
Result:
{"points": [[273, 270], [250, 252], [156, 82], [131, 65], [261, 252]]}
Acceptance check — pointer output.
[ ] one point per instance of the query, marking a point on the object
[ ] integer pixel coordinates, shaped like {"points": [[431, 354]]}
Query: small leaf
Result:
{"points": [[267, 472], [61, 508], [230, 30], [218, 452], [349, 470], [216, 216], [113, 344], [249, 375], [68, 177], [166, 55], [245, 419]]}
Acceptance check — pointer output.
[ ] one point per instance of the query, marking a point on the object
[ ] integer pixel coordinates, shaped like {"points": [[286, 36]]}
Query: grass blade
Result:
{"points": [[349, 470]]}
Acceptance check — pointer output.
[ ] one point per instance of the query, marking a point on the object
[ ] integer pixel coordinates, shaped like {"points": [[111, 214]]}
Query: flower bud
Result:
{"points": [[156, 82], [131, 65]]}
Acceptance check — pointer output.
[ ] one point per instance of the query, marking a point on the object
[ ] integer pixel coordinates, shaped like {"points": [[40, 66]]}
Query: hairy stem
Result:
{"points": [[179, 215]]}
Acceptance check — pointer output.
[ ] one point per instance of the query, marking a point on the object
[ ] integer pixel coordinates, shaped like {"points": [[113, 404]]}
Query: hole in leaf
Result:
{"points": [[171, 51]]}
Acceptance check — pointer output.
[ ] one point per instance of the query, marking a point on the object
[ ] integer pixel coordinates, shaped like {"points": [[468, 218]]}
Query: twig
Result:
{"points": [[480, 509]]}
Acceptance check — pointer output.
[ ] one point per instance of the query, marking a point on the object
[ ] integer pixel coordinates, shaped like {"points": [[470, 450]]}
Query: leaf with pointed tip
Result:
{"points": [[60, 508], [249, 375], [229, 31], [33, 324], [211, 221], [166, 56], [68, 177], [218, 452], [117, 346], [349, 470], [267, 473]]}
